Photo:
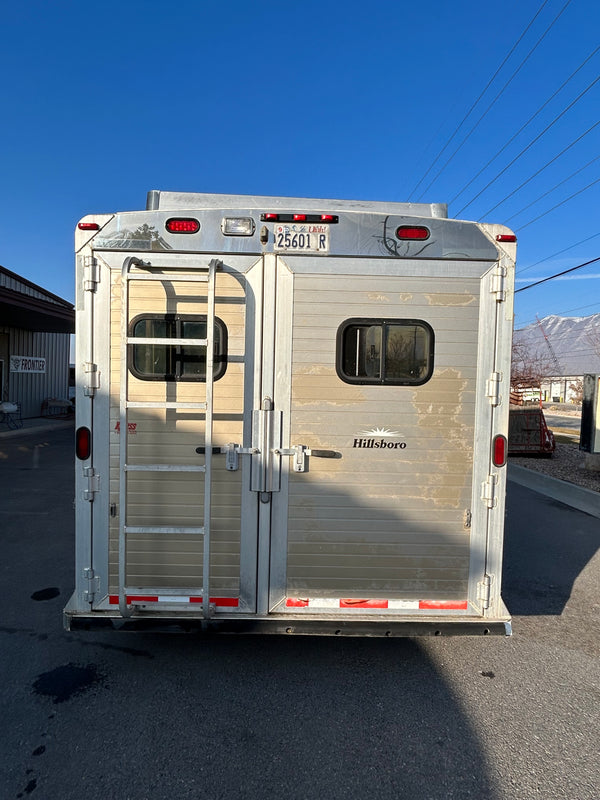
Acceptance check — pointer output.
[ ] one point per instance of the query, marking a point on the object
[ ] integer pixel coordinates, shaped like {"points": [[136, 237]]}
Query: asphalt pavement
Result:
{"points": [[563, 422], [147, 716]]}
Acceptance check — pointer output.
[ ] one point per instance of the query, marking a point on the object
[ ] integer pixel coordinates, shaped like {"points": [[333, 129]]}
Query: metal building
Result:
{"points": [[35, 328]]}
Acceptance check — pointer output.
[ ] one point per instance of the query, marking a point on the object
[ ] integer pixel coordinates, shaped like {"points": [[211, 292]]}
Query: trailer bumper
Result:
{"points": [[291, 625]]}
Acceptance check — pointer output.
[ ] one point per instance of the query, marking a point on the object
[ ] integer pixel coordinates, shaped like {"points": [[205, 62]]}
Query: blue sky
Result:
{"points": [[102, 102]]}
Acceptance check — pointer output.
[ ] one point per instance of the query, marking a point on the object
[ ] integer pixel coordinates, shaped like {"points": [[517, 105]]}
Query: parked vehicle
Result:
{"points": [[528, 433], [291, 417]]}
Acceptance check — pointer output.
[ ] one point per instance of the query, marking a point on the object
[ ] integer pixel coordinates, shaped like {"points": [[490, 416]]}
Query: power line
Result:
{"points": [[558, 275], [522, 128], [469, 112], [560, 252], [545, 194], [485, 113], [528, 147], [558, 205], [540, 170]]}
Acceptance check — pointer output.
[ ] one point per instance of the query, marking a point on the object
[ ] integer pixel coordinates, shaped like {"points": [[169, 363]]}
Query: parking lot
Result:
{"points": [[138, 716]]}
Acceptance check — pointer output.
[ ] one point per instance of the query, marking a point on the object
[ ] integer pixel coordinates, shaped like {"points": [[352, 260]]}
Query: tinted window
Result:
{"points": [[397, 352], [178, 362]]}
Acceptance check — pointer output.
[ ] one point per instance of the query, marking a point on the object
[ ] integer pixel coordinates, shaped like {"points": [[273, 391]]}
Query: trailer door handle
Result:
{"points": [[325, 453], [231, 451], [300, 453]]}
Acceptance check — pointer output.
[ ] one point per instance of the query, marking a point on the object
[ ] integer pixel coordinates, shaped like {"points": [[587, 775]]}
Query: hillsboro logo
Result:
{"points": [[377, 439]]}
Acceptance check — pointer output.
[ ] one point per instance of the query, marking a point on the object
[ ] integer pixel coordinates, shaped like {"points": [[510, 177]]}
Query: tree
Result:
{"points": [[529, 368], [576, 389]]}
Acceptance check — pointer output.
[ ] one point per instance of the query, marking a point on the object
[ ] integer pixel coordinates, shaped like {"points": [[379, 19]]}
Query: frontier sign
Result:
{"points": [[27, 364]]}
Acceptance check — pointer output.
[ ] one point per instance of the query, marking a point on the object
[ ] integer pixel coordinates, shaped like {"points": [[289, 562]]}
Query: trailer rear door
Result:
{"points": [[351, 434], [382, 378]]}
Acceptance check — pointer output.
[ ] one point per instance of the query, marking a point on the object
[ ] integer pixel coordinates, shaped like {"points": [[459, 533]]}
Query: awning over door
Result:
{"points": [[41, 311]]}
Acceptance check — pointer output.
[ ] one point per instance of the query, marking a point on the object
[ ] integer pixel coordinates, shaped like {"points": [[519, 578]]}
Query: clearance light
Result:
{"points": [[329, 218], [506, 237], [237, 226], [499, 457], [88, 226], [83, 443], [412, 233], [182, 225]]}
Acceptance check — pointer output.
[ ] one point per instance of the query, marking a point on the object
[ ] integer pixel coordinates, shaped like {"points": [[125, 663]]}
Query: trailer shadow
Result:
{"points": [[546, 548], [260, 717], [224, 717], [319, 717]]}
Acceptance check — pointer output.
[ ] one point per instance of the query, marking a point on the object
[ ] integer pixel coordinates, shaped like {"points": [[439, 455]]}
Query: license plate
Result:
{"points": [[302, 238]]}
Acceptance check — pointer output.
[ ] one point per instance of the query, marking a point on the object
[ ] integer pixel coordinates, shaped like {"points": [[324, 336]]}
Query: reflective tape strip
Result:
{"points": [[172, 599], [229, 602], [396, 605], [400, 604], [352, 603], [221, 602]]}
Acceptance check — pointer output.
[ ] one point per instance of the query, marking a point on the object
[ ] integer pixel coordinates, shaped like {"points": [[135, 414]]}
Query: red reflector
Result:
{"points": [[499, 457], [352, 603], [327, 218], [296, 602], [299, 217], [182, 225], [270, 217], [83, 443], [506, 237], [88, 226], [412, 232], [451, 605]]}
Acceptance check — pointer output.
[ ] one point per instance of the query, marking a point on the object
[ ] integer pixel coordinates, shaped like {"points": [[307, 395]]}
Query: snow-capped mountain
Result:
{"points": [[575, 342]]}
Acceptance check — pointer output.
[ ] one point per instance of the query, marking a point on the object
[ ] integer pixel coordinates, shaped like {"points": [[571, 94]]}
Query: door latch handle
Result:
{"points": [[231, 451], [299, 453]]}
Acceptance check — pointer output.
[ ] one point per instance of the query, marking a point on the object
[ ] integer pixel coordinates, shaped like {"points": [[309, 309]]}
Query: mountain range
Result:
{"points": [[575, 342]]}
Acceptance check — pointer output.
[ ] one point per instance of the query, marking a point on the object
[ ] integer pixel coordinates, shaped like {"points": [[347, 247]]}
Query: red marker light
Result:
{"points": [[328, 218], [506, 237], [412, 232], [299, 217], [83, 443], [499, 455], [182, 225], [270, 217], [88, 226]]}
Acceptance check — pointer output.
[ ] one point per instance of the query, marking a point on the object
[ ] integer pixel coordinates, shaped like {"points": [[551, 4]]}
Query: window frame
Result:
{"points": [[382, 322], [220, 358]]}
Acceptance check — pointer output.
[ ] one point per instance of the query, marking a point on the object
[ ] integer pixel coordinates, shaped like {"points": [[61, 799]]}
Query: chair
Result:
{"points": [[10, 413]]}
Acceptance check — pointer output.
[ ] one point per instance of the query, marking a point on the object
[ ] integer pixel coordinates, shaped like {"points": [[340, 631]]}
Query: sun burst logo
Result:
{"points": [[381, 432]]}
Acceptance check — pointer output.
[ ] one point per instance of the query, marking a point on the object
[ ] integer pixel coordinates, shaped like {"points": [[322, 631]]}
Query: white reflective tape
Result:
{"points": [[324, 602], [168, 598], [403, 604]]}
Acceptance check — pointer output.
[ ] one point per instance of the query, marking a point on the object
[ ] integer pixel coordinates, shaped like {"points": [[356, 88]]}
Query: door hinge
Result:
{"points": [[92, 586], [484, 591], [499, 284], [93, 483], [488, 491], [493, 388], [91, 274], [92, 382]]}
